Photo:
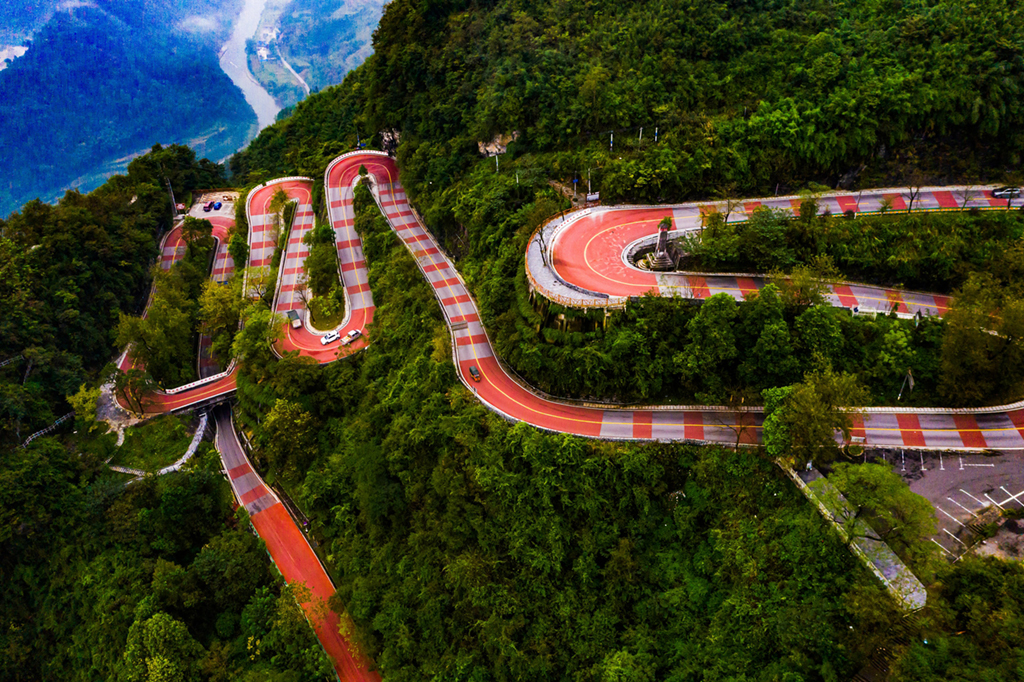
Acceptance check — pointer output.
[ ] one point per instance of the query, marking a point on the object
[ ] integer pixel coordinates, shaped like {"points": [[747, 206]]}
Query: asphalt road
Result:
{"points": [[289, 550]]}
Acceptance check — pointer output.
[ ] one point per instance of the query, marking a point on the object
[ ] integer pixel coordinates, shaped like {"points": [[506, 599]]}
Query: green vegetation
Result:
{"points": [[462, 543], [898, 517], [801, 420], [326, 296], [155, 444], [467, 548], [971, 628], [157, 580], [220, 307], [102, 83], [163, 340], [323, 42], [67, 272], [924, 251]]}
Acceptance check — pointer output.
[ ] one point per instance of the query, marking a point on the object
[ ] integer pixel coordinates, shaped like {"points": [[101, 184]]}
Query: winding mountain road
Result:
{"points": [[576, 260], [582, 262]]}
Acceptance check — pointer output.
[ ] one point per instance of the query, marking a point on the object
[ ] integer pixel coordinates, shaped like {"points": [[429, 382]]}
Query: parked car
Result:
{"points": [[474, 372], [1006, 192], [329, 337], [293, 317], [208, 206], [351, 336], [217, 205]]}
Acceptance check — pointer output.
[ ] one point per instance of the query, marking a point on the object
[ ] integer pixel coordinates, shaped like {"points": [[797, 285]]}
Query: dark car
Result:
{"points": [[474, 372], [208, 207], [1006, 192]]}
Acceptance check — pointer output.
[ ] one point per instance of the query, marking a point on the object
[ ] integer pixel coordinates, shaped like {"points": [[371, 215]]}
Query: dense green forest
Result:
{"points": [[67, 273], [102, 83], [468, 548], [155, 581], [324, 42]]}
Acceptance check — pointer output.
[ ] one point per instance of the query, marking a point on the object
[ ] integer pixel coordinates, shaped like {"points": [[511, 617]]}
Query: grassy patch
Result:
{"points": [[154, 444]]}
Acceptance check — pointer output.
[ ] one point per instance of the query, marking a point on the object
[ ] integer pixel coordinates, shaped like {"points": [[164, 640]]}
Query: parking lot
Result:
{"points": [[962, 488]]}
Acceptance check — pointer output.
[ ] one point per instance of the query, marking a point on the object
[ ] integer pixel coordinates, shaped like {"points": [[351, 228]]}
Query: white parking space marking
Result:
{"points": [[950, 516], [1012, 498], [941, 547], [962, 507], [993, 501], [969, 464], [973, 497], [953, 536]]}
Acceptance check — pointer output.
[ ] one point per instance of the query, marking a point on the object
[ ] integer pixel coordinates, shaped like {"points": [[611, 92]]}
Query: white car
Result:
{"points": [[351, 336], [329, 337]]}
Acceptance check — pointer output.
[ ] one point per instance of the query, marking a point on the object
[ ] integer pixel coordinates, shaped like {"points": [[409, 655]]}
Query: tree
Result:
{"points": [[195, 230], [220, 307], [321, 267], [770, 360], [161, 649], [708, 358], [819, 335], [276, 207], [132, 386], [253, 345], [982, 356], [84, 404], [801, 421], [288, 438], [896, 516], [260, 284], [163, 340], [807, 285], [238, 246]]}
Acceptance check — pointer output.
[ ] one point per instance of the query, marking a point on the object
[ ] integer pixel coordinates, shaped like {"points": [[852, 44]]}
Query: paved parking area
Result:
{"points": [[961, 487]]}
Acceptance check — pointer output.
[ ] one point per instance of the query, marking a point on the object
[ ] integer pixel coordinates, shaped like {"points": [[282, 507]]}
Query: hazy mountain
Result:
{"points": [[101, 83]]}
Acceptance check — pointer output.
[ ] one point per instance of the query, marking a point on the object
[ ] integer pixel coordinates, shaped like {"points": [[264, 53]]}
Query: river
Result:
{"points": [[235, 64]]}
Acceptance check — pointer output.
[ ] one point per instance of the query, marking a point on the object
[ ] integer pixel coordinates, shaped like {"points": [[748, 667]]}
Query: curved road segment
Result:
{"points": [[578, 260], [587, 252]]}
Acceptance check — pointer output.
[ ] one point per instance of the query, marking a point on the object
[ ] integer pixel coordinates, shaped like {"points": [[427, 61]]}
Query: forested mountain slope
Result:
{"points": [[100, 84]]}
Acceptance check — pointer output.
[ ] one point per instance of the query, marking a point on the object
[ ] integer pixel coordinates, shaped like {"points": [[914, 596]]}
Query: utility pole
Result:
{"points": [[611, 142], [641, 140], [655, 134], [588, 183]]}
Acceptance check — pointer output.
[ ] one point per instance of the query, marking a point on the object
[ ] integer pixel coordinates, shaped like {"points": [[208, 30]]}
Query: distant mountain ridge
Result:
{"points": [[101, 84]]}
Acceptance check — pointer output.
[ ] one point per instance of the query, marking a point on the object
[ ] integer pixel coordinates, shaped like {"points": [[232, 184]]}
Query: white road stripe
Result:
{"points": [[962, 507], [941, 547], [983, 505], [993, 501], [950, 515], [953, 536]]}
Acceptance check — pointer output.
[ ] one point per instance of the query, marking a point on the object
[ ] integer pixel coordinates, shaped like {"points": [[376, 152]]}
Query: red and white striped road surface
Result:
{"points": [[289, 549], [588, 253], [223, 267], [1001, 427]]}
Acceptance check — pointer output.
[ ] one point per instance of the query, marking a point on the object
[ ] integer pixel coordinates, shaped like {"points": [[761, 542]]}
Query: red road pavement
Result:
{"points": [[598, 245], [289, 549]]}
